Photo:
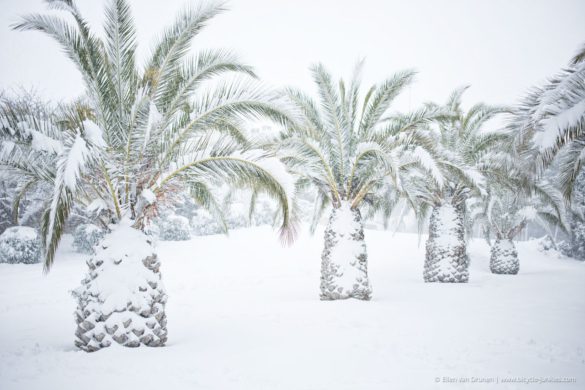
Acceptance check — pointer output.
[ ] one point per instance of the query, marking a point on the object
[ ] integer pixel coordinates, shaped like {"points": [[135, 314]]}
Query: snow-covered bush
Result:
{"points": [[174, 228], [203, 224], [86, 237], [546, 244], [20, 244]]}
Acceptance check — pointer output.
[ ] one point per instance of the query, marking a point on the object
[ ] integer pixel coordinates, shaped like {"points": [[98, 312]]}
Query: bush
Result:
{"points": [[203, 224], [20, 244], [546, 244], [174, 228], [86, 237]]}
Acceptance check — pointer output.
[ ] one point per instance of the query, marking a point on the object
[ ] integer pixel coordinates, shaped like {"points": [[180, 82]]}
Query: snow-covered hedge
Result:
{"points": [[546, 244], [20, 244], [86, 237], [203, 224], [174, 228]]}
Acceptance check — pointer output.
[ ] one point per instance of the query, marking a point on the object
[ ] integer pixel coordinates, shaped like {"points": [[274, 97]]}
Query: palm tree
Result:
{"points": [[466, 156], [349, 150], [147, 133], [504, 212], [550, 126]]}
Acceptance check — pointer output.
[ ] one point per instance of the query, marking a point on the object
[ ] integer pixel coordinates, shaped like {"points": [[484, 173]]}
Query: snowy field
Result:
{"points": [[244, 313]]}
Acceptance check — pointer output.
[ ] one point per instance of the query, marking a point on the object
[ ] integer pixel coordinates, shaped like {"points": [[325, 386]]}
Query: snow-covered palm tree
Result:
{"points": [[466, 157], [146, 133], [550, 125], [504, 213], [350, 149]]}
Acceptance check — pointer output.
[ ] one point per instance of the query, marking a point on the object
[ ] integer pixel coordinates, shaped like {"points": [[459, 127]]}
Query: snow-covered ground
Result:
{"points": [[244, 313]]}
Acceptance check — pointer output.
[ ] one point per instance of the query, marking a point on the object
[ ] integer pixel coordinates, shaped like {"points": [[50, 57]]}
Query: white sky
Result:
{"points": [[500, 47]]}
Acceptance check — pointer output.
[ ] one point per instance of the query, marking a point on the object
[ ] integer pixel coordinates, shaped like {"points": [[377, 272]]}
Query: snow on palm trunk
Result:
{"points": [[344, 262], [577, 222], [122, 298], [504, 258], [577, 238], [446, 253]]}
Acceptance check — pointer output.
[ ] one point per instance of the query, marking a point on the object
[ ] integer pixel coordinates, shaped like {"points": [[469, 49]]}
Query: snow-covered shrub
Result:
{"points": [[174, 228], [86, 237], [20, 244], [264, 213], [546, 244], [565, 248], [203, 224], [237, 221]]}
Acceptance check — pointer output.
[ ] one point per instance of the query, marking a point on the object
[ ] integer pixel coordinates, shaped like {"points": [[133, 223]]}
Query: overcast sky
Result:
{"points": [[500, 47]]}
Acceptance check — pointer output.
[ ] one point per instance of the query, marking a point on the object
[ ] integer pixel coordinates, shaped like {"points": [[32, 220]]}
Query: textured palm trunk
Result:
{"points": [[122, 298], [504, 257], [446, 258], [344, 262], [577, 238], [577, 224]]}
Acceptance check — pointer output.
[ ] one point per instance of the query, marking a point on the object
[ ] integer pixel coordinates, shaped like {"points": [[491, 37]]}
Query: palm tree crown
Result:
{"points": [[145, 133], [466, 156], [348, 146]]}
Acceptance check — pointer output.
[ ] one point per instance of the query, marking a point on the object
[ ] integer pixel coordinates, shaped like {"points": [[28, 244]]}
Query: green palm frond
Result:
{"points": [[382, 97], [174, 43]]}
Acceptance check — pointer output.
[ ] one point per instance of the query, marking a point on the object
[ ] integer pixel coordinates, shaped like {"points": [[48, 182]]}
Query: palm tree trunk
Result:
{"points": [[504, 257], [577, 224], [122, 298], [446, 258], [344, 262]]}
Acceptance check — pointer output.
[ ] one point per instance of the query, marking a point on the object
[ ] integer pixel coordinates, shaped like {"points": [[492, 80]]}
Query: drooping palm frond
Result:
{"points": [[550, 118], [249, 171], [82, 150]]}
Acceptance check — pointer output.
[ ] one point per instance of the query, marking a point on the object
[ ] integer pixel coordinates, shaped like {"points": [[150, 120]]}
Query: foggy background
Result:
{"points": [[500, 47]]}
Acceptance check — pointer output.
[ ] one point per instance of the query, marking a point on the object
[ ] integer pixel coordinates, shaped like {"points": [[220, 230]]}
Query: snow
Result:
{"points": [[447, 227], [477, 178], [528, 212], [428, 163], [120, 282], [96, 206], [556, 125], [75, 162], [244, 313], [346, 250], [21, 233], [44, 143], [148, 196], [93, 133]]}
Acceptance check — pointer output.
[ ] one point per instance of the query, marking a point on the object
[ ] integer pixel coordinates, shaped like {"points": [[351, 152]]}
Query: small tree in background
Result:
{"points": [[466, 158], [504, 212]]}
